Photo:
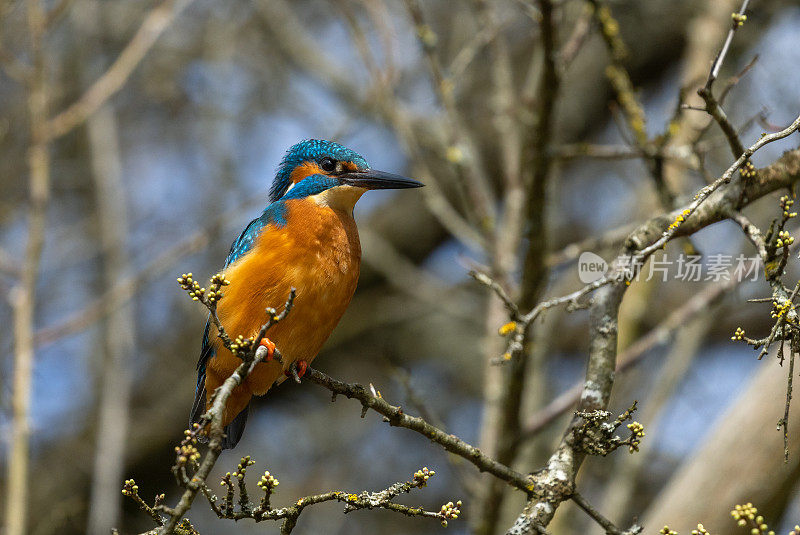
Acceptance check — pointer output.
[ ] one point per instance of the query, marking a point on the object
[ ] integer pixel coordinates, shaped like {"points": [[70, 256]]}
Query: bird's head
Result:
{"points": [[331, 173]]}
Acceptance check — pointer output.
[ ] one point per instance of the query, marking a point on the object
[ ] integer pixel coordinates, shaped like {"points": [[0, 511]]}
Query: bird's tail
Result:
{"points": [[233, 431], [199, 404]]}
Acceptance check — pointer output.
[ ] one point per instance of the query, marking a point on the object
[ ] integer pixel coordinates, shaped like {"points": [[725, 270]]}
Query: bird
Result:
{"points": [[306, 239]]}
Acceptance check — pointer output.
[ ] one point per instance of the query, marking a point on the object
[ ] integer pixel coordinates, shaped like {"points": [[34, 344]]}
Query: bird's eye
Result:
{"points": [[328, 165]]}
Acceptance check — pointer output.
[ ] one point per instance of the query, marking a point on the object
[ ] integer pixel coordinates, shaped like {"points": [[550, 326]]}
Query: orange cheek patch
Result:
{"points": [[305, 169], [349, 166]]}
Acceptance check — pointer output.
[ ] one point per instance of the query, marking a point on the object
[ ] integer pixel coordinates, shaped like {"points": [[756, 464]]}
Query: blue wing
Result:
{"points": [[239, 248], [274, 213], [245, 241]]}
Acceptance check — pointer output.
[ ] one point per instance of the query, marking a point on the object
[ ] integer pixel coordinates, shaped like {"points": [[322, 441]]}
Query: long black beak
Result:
{"points": [[372, 179]]}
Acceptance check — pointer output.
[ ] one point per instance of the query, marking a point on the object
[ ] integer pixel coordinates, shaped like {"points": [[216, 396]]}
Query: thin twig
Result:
{"points": [[724, 52], [395, 416], [605, 523], [214, 417], [753, 234], [633, 354], [713, 107], [784, 423], [637, 258], [576, 40], [487, 281], [462, 60], [715, 110], [705, 192], [382, 499], [679, 154]]}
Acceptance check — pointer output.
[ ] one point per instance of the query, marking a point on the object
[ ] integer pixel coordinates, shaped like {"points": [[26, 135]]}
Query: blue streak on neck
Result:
{"points": [[310, 185], [276, 213]]}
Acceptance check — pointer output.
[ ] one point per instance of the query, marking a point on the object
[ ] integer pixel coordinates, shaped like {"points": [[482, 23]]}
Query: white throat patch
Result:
{"points": [[339, 197]]}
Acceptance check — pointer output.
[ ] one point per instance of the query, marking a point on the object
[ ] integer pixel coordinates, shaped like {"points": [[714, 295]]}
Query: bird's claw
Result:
{"points": [[270, 345], [297, 369]]}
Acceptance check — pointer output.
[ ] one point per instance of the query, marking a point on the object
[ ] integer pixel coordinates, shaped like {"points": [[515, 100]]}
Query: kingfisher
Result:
{"points": [[306, 238]]}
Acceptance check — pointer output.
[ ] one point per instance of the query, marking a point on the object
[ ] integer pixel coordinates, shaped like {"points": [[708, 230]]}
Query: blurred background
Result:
{"points": [[163, 176]]}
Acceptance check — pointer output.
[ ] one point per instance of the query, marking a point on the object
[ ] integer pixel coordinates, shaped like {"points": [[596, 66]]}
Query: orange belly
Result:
{"points": [[318, 253]]}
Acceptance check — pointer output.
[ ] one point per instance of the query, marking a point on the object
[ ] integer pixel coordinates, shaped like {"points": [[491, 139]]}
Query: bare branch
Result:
{"points": [[254, 354], [555, 482], [715, 110], [395, 416], [625, 272], [605, 523], [713, 107], [538, 160], [353, 501], [115, 373], [679, 154], [735, 24]]}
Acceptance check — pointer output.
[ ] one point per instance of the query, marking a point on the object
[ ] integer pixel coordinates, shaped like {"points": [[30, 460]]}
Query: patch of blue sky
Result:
{"points": [[451, 260], [220, 85], [59, 373], [711, 384], [164, 177]]}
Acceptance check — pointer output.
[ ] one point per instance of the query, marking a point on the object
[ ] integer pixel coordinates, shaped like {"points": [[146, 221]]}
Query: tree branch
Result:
{"points": [[254, 354], [353, 501], [633, 354], [555, 482], [395, 416]]}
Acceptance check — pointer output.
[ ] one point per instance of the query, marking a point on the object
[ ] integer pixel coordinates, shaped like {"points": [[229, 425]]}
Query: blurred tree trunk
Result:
{"points": [[23, 297], [743, 443], [118, 329]]}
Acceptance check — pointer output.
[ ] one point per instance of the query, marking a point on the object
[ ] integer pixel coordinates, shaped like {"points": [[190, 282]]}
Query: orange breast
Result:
{"points": [[318, 253]]}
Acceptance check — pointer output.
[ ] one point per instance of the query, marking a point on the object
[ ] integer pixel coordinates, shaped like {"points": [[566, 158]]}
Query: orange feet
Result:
{"points": [[266, 342], [297, 369]]}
